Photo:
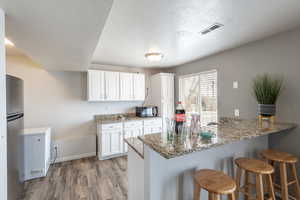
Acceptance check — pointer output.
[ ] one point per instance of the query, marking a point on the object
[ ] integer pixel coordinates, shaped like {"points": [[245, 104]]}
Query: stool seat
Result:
{"points": [[254, 166], [215, 181], [279, 156]]}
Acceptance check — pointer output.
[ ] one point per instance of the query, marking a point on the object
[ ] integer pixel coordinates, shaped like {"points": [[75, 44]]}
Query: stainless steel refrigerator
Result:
{"points": [[15, 124]]}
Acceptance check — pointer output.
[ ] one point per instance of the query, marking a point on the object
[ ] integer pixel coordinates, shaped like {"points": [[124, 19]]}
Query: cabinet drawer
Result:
{"points": [[133, 124], [153, 122], [114, 126]]}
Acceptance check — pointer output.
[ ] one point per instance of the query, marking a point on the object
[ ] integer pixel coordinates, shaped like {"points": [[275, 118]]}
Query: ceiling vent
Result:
{"points": [[211, 28]]}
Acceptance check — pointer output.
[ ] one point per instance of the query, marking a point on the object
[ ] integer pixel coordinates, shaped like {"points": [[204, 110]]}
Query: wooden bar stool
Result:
{"points": [[215, 182], [259, 169], [284, 160]]}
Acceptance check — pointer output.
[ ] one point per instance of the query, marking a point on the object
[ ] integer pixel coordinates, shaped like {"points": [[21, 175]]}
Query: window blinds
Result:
{"points": [[198, 93]]}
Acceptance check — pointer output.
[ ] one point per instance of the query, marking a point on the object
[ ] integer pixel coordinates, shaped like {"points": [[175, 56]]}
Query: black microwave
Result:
{"points": [[146, 111]]}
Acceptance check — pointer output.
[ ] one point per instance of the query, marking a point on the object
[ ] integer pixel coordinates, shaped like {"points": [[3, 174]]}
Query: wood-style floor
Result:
{"points": [[84, 179]]}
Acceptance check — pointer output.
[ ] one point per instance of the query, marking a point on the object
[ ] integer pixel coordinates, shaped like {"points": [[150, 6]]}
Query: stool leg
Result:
{"points": [[295, 176], [273, 175], [283, 180], [231, 196], [216, 197], [210, 196], [247, 184], [197, 191], [259, 187], [238, 181], [270, 186]]}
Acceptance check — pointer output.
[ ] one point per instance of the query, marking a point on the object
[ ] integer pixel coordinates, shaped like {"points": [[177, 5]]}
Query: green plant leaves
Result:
{"points": [[267, 88]]}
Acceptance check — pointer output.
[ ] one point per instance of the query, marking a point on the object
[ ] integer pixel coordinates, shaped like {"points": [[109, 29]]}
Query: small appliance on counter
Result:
{"points": [[146, 111]]}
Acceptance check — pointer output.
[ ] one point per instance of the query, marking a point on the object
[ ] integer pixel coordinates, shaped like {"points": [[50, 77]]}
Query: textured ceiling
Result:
{"points": [[172, 27]]}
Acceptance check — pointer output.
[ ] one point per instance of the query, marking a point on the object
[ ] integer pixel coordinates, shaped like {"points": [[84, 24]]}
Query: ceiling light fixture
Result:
{"points": [[8, 42], [154, 56]]}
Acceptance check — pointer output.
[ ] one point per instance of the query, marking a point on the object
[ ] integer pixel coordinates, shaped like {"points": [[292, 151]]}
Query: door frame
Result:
{"points": [[3, 135]]}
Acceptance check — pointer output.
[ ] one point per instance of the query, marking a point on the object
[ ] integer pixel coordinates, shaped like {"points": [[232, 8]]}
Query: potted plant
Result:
{"points": [[266, 89]]}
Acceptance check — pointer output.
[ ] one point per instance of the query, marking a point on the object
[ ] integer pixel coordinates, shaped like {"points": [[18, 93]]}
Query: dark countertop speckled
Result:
{"points": [[229, 130]]}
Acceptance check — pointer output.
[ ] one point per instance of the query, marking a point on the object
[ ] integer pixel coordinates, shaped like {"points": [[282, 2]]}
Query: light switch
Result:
{"points": [[235, 85], [236, 112]]}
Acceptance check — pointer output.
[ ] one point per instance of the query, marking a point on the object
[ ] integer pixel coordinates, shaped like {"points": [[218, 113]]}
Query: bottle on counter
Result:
{"points": [[179, 117]]}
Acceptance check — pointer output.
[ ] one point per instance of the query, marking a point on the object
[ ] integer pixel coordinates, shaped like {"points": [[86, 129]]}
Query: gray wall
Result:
{"points": [[278, 54]]}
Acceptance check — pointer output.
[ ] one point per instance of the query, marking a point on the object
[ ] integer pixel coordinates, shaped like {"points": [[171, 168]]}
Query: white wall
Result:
{"points": [[278, 54], [3, 161], [58, 99]]}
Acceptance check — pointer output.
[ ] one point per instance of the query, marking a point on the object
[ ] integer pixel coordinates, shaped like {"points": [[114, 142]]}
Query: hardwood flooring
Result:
{"points": [[84, 179]]}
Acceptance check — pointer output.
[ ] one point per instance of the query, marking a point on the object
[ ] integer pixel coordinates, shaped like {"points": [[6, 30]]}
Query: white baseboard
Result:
{"points": [[74, 157]]}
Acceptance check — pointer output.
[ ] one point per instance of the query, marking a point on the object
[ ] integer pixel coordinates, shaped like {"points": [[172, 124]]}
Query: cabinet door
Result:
{"points": [[116, 142], [139, 87], [127, 134], [126, 86], [112, 86], [105, 144], [167, 105], [96, 90], [138, 131]]}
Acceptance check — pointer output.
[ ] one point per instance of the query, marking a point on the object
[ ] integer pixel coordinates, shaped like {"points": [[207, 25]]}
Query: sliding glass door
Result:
{"points": [[198, 93]]}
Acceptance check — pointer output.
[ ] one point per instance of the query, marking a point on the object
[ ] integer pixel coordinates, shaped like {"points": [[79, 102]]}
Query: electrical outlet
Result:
{"points": [[236, 112], [235, 85]]}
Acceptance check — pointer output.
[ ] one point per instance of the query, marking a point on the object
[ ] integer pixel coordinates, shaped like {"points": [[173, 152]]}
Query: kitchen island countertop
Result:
{"points": [[229, 130]]}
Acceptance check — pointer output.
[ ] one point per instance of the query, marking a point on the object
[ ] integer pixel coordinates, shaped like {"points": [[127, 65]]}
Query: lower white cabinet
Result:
{"points": [[132, 129], [110, 139], [111, 136], [152, 126]]}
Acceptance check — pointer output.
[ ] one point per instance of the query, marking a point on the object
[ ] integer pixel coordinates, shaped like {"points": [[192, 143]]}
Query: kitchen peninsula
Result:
{"points": [[162, 169]]}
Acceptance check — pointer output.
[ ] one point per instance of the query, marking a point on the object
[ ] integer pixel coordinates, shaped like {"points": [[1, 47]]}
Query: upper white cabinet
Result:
{"points": [[162, 95], [126, 84], [139, 87], [115, 86], [96, 89], [112, 86]]}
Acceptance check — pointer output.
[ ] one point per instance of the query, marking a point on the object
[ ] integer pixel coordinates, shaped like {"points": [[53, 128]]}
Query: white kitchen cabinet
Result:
{"points": [[112, 86], [115, 86], [111, 136], [152, 126], [162, 95], [110, 140], [126, 86], [132, 129], [96, 85], [139, 87]]}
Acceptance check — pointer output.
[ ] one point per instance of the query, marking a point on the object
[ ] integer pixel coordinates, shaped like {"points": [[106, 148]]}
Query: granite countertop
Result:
{"points": [[229, 130], [136, 144], [117, 118]]}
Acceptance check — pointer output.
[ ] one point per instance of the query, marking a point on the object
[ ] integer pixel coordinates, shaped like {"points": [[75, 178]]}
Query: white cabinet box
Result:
{"points": [[111, 136], [110, 139], [132, 129], [126, 86], [152, 126], [115, 86], [37, 153], [163, 95]]}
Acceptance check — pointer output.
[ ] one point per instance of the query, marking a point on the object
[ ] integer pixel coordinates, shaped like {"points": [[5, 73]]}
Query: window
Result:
{"points": [[198, 94]]}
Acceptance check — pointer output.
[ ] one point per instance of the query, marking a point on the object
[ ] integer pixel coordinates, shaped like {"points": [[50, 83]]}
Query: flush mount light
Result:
{"points": [[154, 56], [8, 42]]}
